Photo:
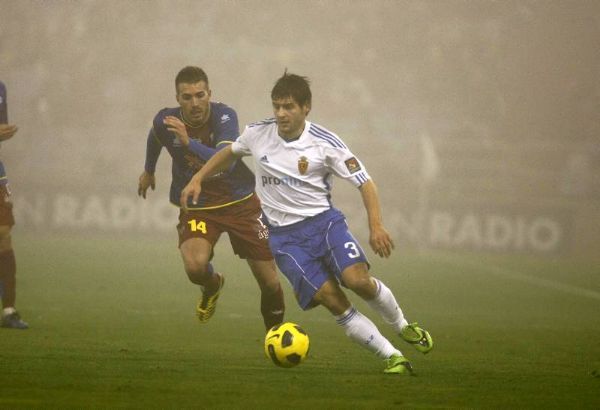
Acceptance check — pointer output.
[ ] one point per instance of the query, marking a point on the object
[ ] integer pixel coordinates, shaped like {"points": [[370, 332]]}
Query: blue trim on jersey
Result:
{"points": [[361, 178], [330, 141], [326, 135], [263, 122]]}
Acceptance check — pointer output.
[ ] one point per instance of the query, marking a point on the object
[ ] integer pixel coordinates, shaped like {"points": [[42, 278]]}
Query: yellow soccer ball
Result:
{"points": [[286, 344]]}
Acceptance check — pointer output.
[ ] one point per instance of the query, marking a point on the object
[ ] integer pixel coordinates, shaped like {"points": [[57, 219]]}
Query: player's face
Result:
{"points": [[194, 100], [290, 117]]}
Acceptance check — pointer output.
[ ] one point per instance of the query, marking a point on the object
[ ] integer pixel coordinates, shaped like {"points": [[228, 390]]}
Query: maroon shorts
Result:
{"points": [[248, 235], [6, 214]]}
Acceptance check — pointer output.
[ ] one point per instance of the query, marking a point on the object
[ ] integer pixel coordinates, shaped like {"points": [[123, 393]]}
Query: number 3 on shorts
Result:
{"points": [[197, 226], [355, 252]]}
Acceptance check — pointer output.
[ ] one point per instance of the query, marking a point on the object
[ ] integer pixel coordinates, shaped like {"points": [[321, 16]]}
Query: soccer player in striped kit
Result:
{"points": [[295, 160], [192, 133], [8, 266]]}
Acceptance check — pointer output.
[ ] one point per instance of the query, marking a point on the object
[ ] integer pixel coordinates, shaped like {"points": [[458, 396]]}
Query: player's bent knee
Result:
{"points": [[197, 269], [357, 277], [195, 261], [359, 284], [271, 288], [268, 283]]}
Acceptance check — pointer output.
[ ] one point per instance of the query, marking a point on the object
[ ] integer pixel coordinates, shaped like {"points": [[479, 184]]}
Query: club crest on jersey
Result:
{"points": [[302, 165], [353, 165]]}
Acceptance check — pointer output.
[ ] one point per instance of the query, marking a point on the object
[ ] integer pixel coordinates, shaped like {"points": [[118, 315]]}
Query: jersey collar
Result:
{"points": [[188, 124], [306, 127]]}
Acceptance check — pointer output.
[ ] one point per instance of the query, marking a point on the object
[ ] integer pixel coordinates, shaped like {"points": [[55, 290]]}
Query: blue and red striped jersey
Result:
{"points": [[221, 129]]}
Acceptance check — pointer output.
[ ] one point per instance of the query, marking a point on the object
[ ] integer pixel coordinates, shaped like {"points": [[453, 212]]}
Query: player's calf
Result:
{"points": [[272, 306]]}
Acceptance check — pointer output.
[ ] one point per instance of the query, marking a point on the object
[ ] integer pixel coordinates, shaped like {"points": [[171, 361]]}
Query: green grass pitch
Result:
{"points": [[113, 326]]}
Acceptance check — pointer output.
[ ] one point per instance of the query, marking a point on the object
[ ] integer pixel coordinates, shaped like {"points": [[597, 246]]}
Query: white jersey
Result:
{"points": [[294, 178]]}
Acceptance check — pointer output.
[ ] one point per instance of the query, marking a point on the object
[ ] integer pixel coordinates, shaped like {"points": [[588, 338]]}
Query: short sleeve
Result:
{"points": [[242, 145], [347, 166]]}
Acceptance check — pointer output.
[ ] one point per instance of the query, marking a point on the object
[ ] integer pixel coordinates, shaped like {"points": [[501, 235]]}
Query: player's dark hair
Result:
{"points": [[292, 85], [190, 75]]}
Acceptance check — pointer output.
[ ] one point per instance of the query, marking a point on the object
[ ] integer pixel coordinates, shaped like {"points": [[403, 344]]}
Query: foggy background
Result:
{"points": [[478, 120]]}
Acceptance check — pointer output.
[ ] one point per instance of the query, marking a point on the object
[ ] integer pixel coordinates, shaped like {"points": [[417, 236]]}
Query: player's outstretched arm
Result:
{"points": [[146, 179], [7, 131], [219, 162], [379, 238]]}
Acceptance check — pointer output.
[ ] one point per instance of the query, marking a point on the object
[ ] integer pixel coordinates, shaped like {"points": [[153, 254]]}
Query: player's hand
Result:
{"points": [[7, 131], [146, 180], [177, 127], [381, 241], [192, 189]]}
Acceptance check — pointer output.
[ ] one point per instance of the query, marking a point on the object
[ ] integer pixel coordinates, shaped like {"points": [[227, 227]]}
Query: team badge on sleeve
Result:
{"points": [[353, 165], [302, 165]]}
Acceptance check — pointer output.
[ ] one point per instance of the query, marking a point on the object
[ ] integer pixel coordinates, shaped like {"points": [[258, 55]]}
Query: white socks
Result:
{"points": [[361, 330], [8, 311], [385, 304]]}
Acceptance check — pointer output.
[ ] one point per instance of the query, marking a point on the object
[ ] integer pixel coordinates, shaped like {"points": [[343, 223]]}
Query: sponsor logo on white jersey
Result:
{"points": [[289, 181]]}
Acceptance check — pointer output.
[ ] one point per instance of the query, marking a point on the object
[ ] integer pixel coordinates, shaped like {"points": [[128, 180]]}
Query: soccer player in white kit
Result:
{"points": [[295, 160]]}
